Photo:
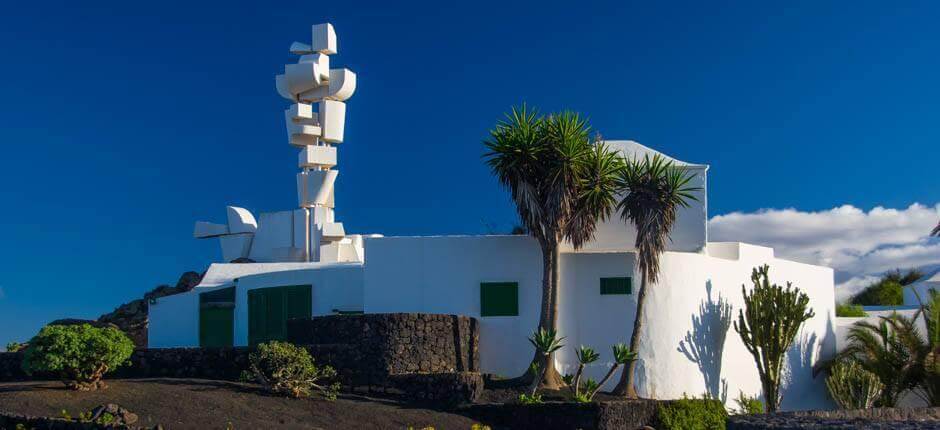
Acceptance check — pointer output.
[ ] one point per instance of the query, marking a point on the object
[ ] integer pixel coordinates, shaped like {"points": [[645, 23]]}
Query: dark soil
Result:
{"points": [[204, 404], [497, 394]]}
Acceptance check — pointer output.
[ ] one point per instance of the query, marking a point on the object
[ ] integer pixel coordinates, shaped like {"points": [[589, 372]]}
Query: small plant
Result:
{"points": [[530, 399], [748, 405], [15, 346], [588, 388], [846, 310], [622, 357], [545, 342], [568, 378], [284, 368], [80, 354], [692, 414], [768, 324], [853, 387], [586, 355]]}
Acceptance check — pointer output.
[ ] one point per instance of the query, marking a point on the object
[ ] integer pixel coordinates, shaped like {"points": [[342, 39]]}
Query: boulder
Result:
{"points": [[120, 416]]}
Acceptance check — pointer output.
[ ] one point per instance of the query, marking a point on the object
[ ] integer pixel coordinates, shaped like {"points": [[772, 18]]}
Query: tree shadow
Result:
{"points": [[705, 344]]}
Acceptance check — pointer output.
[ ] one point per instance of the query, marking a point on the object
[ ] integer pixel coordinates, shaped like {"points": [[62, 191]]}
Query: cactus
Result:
{"points": [[853, 387], [768, 324]]}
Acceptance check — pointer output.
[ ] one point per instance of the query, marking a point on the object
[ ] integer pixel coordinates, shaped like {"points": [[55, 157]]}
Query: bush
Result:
{"points": [[283, 368], [692, 414], [748, 405], [853, 387], [15, 346], [882, 293], [849, 310], [80, 354]]}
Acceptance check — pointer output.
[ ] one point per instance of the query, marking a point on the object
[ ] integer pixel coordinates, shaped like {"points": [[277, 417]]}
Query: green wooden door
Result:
{"points": [[217, 318], [270, 308]]}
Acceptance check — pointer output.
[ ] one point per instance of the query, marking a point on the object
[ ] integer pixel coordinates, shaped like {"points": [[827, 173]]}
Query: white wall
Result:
{"points": [[174, 321], [687, 282], [689, 233], [443, 275], [334, 286]]}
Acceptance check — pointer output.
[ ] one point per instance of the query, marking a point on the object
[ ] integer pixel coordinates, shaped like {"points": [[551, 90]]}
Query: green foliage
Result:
{"points": [[623, 354], [748, 404], [692, 414], [16, 346], [546, 341], [768, 324], [530, 399], [887, 291], [80, 354], [850, 310], [892, 350], [853, 387], [930, 385], [287, 369]]}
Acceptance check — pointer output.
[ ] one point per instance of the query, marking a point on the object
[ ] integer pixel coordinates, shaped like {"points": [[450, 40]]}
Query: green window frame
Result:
{"points": [[499, 299], [616, 286]]}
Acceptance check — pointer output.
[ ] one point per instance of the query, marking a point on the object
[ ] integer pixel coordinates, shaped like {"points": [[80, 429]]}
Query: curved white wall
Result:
{"points": [[174, 321]]}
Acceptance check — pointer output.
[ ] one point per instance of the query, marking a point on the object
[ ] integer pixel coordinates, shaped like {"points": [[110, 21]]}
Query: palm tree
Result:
{"points": [[936, 230], [563, 184], [654, 190], [893, 350]]}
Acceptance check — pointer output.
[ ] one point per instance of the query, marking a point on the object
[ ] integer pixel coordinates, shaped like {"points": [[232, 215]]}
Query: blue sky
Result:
{"points": [[123, 123]]}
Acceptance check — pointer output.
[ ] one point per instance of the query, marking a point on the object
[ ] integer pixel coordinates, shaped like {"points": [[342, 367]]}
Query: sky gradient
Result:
{"points": [[122, 124]]}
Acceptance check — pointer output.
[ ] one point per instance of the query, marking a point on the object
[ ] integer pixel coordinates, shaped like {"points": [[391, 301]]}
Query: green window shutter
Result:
{"points": [[499, 299], [216, 326], [610, 286], [270, 308], [299, 303]]}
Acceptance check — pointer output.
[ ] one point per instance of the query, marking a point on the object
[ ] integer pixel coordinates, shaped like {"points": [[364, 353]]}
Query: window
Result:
{"points": [[611, 286], [499, 299]]}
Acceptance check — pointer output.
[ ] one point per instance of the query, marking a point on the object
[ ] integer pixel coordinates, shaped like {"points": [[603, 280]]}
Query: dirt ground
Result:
{"points": [[203, 404]]}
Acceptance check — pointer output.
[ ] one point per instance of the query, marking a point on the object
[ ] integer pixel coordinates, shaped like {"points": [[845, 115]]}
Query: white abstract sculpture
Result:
{"points": [[315, 122]]}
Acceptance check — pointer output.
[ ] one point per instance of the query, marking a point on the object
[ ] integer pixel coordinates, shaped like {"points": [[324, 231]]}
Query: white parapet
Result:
{"points": [[342, 85], [332, 120], [240, 220], [205, 229], [324, 39], [315, 188], [317, 156]]}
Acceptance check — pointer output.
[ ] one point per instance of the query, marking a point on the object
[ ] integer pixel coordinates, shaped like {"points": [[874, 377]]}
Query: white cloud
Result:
{"points": [[856, 243]]}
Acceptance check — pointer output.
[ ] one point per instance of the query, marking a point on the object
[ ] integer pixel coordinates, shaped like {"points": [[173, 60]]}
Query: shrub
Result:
{"points": [[530, 399], [853, 387], [80, 354], [15, 346], [849, 310], [768, 324], [692, 414], [881, 293], [748, 405], [287, 369]]}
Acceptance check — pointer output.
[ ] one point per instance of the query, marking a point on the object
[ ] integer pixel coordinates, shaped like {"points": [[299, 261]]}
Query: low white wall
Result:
{"points": [[174, 321], [679, 353], [443, 275], [334, 286]]}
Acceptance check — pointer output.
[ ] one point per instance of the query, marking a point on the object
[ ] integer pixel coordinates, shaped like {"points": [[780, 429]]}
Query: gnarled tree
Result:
{"points": [[768, 324], [563, 183]]}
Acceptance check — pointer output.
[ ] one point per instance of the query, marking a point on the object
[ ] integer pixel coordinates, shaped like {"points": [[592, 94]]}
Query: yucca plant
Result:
{"points": [[622, 356], [586, 355], [546, 342], [853, 387], [768, 324], [653, 191], [563, 183]]}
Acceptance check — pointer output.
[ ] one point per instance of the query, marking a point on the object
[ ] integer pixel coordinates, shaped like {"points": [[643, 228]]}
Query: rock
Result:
{"points": [[242, 260], [121, 416]]}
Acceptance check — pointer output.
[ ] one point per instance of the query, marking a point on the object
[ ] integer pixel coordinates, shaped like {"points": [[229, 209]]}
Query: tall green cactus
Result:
{"points": [[768, 324], [853, 387]]}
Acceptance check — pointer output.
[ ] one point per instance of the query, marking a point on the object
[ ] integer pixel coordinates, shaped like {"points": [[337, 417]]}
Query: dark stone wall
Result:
{"points": [[424, 356], [392, 344], [864, 419], [566, 415]]}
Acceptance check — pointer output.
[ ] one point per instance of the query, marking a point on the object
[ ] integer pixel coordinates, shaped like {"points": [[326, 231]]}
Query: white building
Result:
{"points": [[306, 265]]}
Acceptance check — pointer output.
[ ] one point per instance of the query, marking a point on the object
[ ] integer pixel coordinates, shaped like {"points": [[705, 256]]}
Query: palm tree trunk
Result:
{"points": [[626, 387], [547, 320]]}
